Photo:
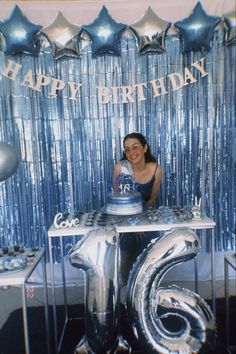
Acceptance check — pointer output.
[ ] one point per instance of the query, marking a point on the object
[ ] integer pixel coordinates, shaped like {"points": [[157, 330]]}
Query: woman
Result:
{"points": [[138, 162]]}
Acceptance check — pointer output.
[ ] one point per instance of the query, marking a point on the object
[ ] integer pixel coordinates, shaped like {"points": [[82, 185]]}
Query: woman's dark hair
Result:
{"points": [[148, 155]]}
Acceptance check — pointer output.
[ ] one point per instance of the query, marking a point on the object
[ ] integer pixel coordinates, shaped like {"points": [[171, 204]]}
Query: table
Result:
{"points": [[229, 261], [122, 225], [19, 279]]}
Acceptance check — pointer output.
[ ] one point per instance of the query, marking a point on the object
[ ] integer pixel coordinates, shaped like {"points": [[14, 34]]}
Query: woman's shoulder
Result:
{"points": [[155, 168]]}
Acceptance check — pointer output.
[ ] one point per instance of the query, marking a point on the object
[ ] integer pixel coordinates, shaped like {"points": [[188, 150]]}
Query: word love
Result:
{"points": [[60, 223], [114, 94]]}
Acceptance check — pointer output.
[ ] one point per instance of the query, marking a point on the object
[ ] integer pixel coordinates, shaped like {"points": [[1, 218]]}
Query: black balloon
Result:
{"points": [[196, 30], [8, 161]]}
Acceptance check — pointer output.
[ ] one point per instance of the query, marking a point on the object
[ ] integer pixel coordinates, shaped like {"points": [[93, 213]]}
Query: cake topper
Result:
{"points": [[124, 183], [196, 209]]}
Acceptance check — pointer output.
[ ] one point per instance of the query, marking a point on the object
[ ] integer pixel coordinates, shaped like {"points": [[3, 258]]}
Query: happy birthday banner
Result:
{"points": [[114, 94]]}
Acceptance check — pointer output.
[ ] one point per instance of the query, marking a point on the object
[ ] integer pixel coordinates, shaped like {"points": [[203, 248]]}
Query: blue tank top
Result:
{"points": [[144, 188]]}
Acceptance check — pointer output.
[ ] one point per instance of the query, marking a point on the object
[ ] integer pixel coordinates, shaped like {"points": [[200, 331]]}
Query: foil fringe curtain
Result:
{"points": [[68, 148]]}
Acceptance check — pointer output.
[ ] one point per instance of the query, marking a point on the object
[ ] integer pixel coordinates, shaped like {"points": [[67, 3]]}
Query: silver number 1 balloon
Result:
{"points": [[97, 254]]}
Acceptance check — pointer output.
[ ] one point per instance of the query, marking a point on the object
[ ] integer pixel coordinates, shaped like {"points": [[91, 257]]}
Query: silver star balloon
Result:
{"points": [[230, 26], [150, 32], [63, 37]]}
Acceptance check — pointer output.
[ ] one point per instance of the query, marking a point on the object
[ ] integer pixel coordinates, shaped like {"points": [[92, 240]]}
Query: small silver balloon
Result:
{"points": [[150, 32], [8, 161], [63, 37]]}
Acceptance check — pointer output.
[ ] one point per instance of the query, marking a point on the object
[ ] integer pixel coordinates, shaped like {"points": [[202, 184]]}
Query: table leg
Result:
{"points": [[53, 297], [25, 320], [213, 271], [226, 301], [64, 293], [196, 274], [46, 304]]}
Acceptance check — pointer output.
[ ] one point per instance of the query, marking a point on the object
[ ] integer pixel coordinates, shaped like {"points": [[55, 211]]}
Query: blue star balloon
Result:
{"points": [[19, 33], [230, 26], [196, 30], [105, 34]]}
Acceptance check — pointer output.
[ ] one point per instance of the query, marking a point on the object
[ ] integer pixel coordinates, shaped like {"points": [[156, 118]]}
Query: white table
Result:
{"points": [[229, 262], [122, 225], [19, 279]]}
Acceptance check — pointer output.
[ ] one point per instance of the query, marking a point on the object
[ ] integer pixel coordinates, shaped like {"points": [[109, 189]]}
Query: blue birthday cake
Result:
{"points": [[126, 203]]}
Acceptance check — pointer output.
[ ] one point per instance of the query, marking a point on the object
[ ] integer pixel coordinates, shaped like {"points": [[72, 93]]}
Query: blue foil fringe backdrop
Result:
{"points": [[68, 148]]}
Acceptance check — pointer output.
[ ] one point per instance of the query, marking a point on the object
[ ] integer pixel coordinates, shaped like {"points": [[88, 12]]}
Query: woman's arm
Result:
{"points": [[156, 187], [116, 174]]}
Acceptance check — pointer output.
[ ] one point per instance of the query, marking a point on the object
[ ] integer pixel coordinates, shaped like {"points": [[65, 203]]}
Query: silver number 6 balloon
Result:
{"points": [[149, 305]]}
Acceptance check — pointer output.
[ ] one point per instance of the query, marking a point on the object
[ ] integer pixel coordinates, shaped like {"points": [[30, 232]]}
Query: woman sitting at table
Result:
{"points": [[138, 162]]}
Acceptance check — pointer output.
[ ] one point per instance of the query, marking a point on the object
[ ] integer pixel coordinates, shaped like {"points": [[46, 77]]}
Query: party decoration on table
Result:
{"points": [[196, 30], [20, 34], [96, 253], [229, 21], [67, 220], [155, 311], [196, 209], [63, 36], [12, 263], [105, 34], [174, 215], [150, 32], [8, 161]]}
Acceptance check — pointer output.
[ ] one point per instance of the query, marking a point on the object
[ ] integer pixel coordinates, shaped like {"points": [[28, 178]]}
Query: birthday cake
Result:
{"points": [[129, 203]]}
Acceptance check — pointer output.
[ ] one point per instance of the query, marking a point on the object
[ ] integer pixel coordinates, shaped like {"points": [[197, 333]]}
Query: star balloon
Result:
{"points": [[105, 34], [230, 26], [20, 34], [196, 30], [150, 32], [63, 37]]}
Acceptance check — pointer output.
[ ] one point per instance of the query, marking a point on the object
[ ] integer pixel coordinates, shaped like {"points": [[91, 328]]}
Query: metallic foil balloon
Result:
{"points": [[63, 36], [97, 255], [8, 161], [20, 34], [150, 32], [150, 306], [230, 26], [105, 34], [196, 30]]}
